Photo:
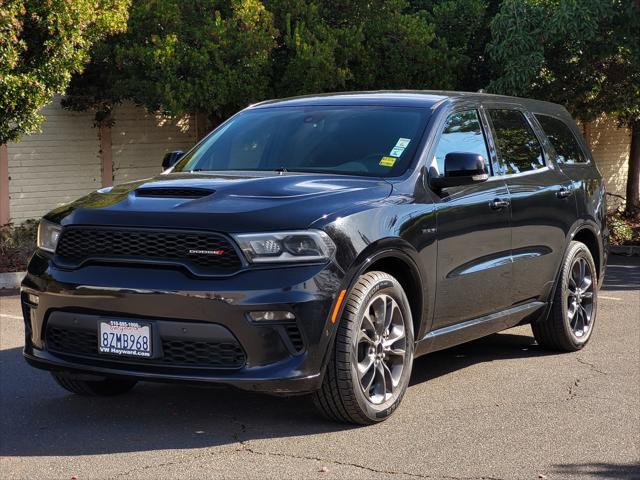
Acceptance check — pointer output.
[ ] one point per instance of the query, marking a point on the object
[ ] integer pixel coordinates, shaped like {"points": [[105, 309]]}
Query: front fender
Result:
{"points": [[384, 249], [397, 228]]}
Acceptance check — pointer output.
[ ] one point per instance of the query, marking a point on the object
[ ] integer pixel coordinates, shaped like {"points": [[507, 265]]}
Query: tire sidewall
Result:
{"points": [[578, 250], [391, 287]]}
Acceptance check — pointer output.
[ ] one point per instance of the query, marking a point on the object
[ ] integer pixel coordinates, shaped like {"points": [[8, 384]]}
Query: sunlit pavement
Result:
{"points": [[498, 408]]}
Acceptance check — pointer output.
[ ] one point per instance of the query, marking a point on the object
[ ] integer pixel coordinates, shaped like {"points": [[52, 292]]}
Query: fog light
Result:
{"points": [[271, 316], [33, 299]]}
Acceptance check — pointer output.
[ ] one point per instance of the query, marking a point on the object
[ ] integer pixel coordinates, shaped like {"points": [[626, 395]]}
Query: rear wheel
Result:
{"points": [[94, 388], [573, 314], [370, 365]]}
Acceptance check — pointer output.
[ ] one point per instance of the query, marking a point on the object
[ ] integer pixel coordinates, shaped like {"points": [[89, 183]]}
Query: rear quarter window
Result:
{"points": [[563, 140]]}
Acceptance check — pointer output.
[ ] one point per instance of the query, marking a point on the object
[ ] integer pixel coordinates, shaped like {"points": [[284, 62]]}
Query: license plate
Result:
{"points": [[119, 337]]}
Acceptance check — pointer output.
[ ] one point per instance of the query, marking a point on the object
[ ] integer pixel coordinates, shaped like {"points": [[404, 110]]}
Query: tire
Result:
{"points": [[94, 388], [344, 396], [570, 322]]}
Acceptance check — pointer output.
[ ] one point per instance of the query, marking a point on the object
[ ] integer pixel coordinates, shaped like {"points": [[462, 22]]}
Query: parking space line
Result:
{"points": [[14, 317], [608, 298]]}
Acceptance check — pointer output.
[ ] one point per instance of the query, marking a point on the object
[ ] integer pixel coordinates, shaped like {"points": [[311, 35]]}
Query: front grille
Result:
{"points": [[173, 192], [73, 341], [202, 252], [175, 352], [202, 353]]}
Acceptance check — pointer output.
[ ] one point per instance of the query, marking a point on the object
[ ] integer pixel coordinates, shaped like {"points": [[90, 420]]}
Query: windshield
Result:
{"points": [[371, 141]]}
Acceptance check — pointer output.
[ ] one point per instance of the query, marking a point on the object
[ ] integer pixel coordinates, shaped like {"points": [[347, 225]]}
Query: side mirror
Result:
{"points": [[171, 158], [461, 168]]}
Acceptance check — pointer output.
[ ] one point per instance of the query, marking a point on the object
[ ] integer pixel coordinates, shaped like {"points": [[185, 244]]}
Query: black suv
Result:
{"points": [[319, 244]]}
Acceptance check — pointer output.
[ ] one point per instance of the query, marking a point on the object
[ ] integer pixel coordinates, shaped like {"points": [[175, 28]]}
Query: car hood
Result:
{"points": [[229, 202]]}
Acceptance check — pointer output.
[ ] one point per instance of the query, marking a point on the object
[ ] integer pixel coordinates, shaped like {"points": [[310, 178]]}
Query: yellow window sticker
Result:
{"points": [[388, 161]]}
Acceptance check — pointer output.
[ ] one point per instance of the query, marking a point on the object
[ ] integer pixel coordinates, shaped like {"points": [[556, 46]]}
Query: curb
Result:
{"points": [[11, 279], [628, 250]]}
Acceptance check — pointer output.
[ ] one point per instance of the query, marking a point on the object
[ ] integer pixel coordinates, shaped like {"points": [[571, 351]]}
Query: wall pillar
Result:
{"points": [[4, 185], [106, 158], [201, 125], [586, 132]]}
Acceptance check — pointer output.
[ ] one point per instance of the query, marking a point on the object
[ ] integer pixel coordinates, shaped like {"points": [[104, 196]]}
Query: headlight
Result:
{"points": [[48, 235], [296, 246]]}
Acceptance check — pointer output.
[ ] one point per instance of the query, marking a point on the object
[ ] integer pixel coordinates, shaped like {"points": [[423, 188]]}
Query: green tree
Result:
{"points": [[42, 43], [401, 50], [176, 57], [464, 26], [217, 56], [585, 55], [389, 44], [311, 53]]}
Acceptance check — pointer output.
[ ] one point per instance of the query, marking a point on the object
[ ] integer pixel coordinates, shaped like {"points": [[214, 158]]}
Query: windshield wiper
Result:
{"points": [[279, 170]]}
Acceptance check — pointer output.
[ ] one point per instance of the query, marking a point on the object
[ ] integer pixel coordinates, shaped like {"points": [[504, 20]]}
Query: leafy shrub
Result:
{"points": [[623, 230], [17, 243]]}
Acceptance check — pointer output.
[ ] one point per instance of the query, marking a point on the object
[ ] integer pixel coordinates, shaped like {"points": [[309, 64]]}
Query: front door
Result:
{"points": [[473, 232]]}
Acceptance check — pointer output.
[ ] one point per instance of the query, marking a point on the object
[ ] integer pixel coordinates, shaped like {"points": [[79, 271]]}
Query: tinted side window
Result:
{"points": [[563, 140], [517, 145], [462, 133]]}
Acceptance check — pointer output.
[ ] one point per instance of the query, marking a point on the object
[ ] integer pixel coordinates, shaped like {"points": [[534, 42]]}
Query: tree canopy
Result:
{"points": [[42, 44], [217, 56], [464, 27], [584, 55]]}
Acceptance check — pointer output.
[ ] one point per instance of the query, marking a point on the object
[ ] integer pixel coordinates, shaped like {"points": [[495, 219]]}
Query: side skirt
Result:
{"points": [[478, 327]]}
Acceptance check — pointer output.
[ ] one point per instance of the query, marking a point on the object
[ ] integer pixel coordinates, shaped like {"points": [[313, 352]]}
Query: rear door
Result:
{"points": [[574, 159], [542, 205], [474, 239]]}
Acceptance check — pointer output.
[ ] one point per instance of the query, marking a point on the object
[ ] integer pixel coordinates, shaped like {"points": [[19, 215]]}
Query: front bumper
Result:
{"points": [[273, 357]]}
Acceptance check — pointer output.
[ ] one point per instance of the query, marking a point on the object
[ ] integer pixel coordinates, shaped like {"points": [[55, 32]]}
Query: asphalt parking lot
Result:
{"points": [[498, 408]]}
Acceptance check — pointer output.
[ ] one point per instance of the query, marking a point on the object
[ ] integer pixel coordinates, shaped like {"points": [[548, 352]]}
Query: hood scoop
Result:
{"points": [[173, 192]]}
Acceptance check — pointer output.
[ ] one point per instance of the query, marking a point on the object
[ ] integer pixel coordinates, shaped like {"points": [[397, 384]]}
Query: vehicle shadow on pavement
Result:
{"points": [[623, 273], [38, 418], [501, 346], [613, 471]]}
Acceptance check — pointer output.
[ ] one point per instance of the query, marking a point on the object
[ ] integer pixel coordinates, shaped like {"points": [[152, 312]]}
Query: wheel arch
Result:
{"points": [[400, 262], [585, 234]]}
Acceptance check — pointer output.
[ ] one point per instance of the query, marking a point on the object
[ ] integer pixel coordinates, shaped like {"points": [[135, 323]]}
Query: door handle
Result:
{"points": [[498, 204], [564, 192]]}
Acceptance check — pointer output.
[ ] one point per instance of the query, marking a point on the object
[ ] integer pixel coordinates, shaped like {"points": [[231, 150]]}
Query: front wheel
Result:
{"points": [[370, 365], [573, 313]]}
